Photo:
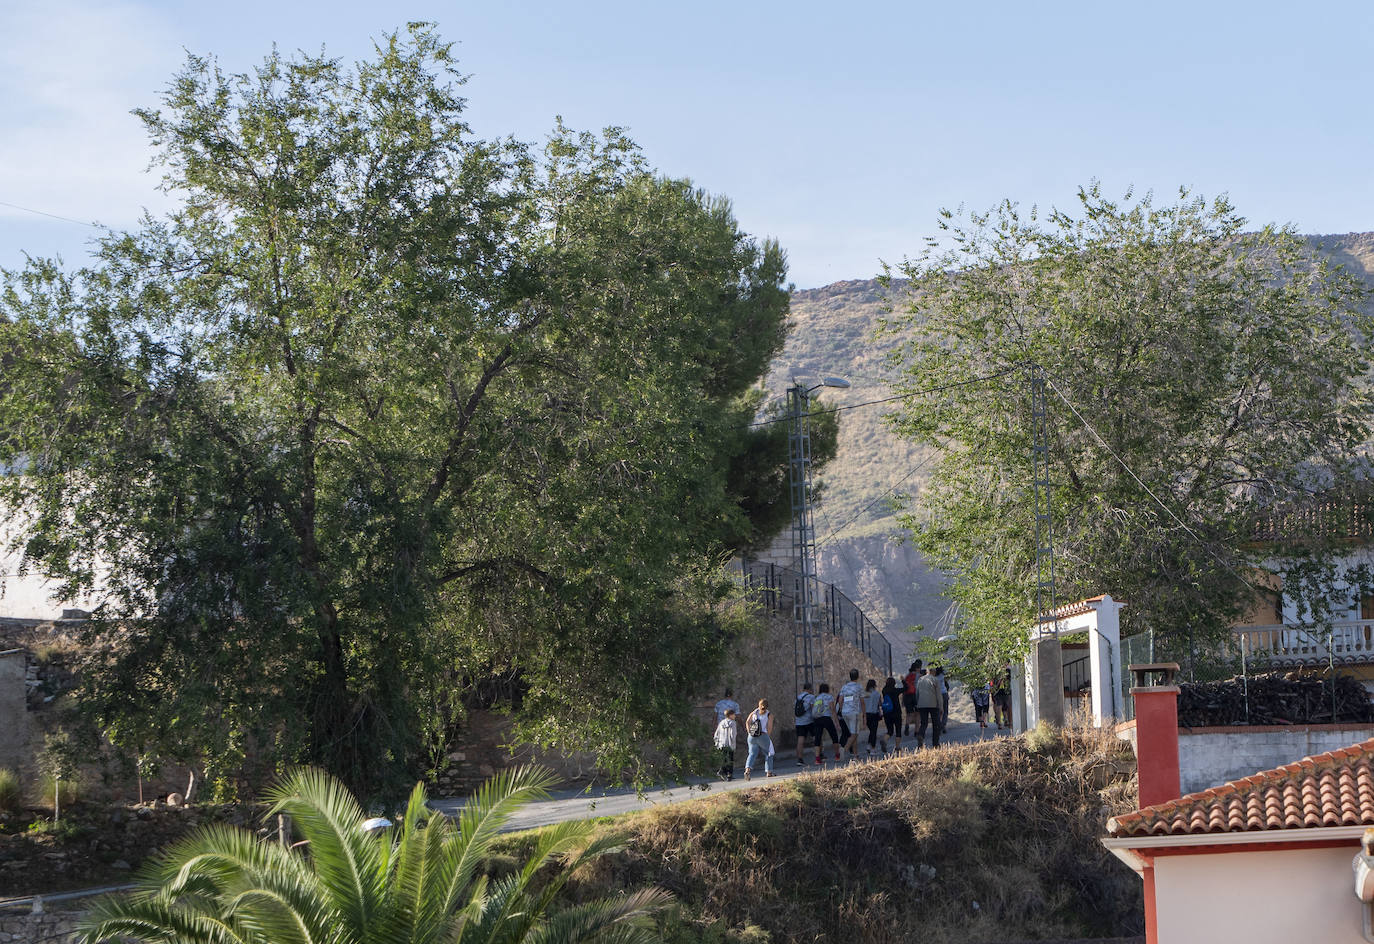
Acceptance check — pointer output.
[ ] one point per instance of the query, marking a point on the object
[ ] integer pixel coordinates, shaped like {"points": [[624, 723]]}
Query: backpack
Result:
{"points": [[888, 706], [755, 726], [801, 707]]}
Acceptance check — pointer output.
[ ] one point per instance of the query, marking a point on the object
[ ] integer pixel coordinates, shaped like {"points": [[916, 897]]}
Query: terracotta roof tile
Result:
{"points": [[1332, 789], [1073, 609]]}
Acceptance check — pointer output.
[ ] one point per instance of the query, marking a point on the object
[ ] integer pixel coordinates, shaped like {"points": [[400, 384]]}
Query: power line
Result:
{"points": [[65, 219], [891, 490], [1131, 472], [893, 398]]}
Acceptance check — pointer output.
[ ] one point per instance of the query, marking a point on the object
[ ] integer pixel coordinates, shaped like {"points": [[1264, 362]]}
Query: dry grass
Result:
{"points": [[985, 842]]}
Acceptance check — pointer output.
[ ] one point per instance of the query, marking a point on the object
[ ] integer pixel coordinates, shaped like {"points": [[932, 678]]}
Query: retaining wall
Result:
{"points": [[44, 928]]}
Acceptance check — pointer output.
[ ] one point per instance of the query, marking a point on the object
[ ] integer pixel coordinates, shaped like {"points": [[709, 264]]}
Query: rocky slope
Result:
{"points": [[859, 538]]}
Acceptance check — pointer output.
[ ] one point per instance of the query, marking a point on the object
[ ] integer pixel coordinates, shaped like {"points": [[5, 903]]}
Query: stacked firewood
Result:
{"points": [[1274, 698]]}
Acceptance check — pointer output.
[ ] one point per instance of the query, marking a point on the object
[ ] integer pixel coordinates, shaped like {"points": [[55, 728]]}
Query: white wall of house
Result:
{"points": [[1303, 896], [1344, 599], [29, 595]]}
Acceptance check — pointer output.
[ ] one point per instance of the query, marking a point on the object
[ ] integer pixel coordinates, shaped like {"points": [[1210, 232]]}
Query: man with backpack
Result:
{"points": [[823, 720], [892, 714], [851, 708], [801, 708]]}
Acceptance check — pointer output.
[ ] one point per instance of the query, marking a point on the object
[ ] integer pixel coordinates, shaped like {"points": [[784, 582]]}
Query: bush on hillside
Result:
{"points": [[985, 842], [11, 791]]}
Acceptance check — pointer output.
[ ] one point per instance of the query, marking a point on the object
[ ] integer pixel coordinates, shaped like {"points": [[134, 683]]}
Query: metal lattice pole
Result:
{"points": [[1044, 523], [805, 637]]}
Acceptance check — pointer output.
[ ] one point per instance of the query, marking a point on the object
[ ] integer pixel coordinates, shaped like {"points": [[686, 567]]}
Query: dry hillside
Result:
{"points": [[997, 841]]}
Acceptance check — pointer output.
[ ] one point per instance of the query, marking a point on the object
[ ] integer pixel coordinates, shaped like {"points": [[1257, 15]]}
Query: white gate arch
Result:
{"points": [[1033, 700]]}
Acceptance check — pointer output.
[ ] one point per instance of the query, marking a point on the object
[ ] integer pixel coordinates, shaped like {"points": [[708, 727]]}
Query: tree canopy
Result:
{"points": [[1197, 373], [384, 410]]}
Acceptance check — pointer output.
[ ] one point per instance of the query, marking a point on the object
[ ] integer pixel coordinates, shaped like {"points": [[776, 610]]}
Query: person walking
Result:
{"points": [[981, 698], [873, 714], [892, 714], [1001, 698], [928, 707], [909, 693], [727, 736], [725, 704], [802, 710], [823, 720], [943, 679], [759, 728], [851, 707]]}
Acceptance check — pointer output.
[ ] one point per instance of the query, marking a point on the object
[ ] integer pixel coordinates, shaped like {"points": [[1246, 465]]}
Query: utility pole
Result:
{"points": [[806, 642], [1044, 521], [806, 636], [1045, 669]]}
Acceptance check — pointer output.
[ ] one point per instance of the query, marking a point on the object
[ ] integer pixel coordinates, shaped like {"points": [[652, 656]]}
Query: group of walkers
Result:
{"points": [[996, 692], [920, 699]]}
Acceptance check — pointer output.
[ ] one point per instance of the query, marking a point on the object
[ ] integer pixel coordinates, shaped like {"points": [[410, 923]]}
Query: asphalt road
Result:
{"points": [[584, 803]]}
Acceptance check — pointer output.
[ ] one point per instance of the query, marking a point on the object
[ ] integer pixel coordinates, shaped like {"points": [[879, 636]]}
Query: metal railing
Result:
{"points": [[1341, 643], [1078, 677], [836, 614]]}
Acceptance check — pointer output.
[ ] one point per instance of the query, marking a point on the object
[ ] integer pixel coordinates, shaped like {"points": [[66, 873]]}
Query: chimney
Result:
{"points": [[1156, 732]]}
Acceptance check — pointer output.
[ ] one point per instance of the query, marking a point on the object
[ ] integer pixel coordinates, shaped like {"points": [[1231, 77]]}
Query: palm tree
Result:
{"points": [[419, 882]]}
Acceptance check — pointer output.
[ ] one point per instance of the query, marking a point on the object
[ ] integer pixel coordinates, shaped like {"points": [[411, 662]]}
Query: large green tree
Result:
{"points": [[1197, 372], [384, 411]]}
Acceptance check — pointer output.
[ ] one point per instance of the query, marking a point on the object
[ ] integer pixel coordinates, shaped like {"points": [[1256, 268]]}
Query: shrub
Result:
{"points": [[66, 792], [1043, 739], [11, 792], [413, 881], [740, 820]]}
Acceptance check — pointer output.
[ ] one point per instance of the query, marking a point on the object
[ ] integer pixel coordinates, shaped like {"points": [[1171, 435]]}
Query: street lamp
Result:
{"points": [[806, 642]]}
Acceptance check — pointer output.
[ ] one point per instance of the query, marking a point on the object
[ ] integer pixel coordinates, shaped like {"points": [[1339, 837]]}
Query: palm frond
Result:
{"points": [[346, 858], [153, 922], [414, 903], [627, 920], [481, 822]]}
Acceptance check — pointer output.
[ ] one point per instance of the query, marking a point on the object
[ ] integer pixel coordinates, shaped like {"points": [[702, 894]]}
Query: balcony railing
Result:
{"points": [[1343, 643]]}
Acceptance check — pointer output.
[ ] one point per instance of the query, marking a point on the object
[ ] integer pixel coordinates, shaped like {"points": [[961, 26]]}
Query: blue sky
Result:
{"points": [[839, 129]]}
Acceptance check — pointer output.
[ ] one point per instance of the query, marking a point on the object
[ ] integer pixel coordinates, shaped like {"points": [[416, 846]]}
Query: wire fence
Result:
{"points": [[836, 614]]}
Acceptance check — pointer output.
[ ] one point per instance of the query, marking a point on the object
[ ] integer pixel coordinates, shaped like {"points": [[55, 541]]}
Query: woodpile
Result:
{"points": [[1274, 698]]}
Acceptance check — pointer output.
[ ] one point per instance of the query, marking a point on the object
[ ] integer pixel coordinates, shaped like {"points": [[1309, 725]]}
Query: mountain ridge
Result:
{"points": [[859, 546]]}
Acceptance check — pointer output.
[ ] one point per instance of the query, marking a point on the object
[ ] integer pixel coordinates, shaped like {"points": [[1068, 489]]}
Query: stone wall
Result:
{"points": [[759, 666], [17, 731], [1209, 757], [46, 927], [763, 666]]}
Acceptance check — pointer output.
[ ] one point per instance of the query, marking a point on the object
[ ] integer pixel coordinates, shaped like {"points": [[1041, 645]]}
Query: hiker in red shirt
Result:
{"points": [[909, 694]]}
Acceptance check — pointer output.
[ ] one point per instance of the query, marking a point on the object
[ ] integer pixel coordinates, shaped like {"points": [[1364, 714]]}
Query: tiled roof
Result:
{"points": [[1333, 789], [1073, 609]]}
